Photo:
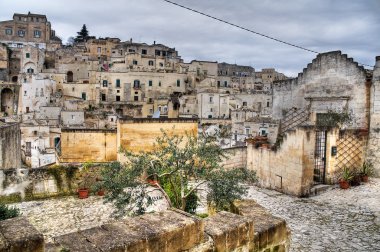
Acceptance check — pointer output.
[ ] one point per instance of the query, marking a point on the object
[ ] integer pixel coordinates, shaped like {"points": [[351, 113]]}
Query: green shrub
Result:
{"points": [[8, 212]]}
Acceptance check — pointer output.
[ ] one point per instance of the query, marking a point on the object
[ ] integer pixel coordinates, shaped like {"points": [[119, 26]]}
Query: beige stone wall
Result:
{"points": [[84, 145], [140, 135], [236, 157], [3, 56], [290, 168], [373, 148]]}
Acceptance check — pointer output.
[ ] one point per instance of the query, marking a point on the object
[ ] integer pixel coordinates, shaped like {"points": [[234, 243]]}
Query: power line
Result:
{"points": [[249, 30]]}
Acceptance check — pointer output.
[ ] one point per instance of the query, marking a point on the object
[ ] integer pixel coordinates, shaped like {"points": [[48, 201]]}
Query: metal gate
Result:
{"points": [[320, 157]]}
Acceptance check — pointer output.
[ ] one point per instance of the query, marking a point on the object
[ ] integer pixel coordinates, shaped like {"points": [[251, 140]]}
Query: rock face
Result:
{"points": [[18, 234]]}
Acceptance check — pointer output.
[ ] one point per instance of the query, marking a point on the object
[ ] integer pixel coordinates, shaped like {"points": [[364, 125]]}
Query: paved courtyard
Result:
{"points": [[337, 220]]}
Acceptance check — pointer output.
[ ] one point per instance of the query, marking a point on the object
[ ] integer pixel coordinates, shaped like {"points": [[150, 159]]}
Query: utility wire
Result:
{"points": [[249, 30]]}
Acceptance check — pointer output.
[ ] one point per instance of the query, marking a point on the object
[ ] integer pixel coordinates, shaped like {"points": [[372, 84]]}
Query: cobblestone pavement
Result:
{"points": [[336, 220]]}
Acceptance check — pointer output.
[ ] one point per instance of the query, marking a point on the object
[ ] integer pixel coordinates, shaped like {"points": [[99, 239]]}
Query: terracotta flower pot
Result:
{"points": [[83, 193], [365, 178], [344, 184], [100, 193]]}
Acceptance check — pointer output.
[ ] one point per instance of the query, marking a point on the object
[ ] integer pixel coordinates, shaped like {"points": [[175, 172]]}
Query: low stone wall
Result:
{"points": [[249, 228], [236, 157], [38, 183], [18, 234]]}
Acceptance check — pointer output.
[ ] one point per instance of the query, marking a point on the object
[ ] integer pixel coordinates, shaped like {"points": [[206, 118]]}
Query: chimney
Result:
{"points": [[130, 40], [154, 42], [377, 61]]}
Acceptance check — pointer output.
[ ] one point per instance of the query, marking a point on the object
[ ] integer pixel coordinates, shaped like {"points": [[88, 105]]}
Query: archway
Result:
{"points": [[70, 76], [7, 101]]}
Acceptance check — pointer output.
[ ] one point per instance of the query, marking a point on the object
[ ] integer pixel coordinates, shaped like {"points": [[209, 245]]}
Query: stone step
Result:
{"points": [[319, 189]]}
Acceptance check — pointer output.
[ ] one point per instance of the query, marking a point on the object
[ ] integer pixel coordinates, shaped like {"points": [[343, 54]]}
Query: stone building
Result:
{"points": [[26, 29], [212, 104], [10, 146], [332, 84]]}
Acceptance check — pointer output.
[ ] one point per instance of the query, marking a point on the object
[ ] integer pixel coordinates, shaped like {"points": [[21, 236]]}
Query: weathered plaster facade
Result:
{"points": [[10, 145]]}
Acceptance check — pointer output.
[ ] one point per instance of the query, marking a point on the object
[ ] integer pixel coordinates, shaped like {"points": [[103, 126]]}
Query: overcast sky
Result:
{"points": [[352, 26]]}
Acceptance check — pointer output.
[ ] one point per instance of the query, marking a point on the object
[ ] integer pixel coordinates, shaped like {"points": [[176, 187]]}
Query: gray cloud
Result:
{"points": [[351, 26]]}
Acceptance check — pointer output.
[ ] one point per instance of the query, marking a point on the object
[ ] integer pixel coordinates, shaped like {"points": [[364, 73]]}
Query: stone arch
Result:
{"points": [[70, 76], [7, 100], [30, 67]]}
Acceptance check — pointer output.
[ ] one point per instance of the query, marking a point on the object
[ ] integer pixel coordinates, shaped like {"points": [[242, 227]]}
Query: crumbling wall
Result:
{"points": [[290, 168], [373, 149], [236, 157], [10, 146], [331, 82]]}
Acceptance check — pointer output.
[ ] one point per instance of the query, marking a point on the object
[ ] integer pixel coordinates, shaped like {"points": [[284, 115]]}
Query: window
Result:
{"points": [[247, 131], [164, 53], [161, 64], [150, 63], [105, 83], [36, 92], [84, 96], [225, 83], [209, 116], [158, 52], [150, 111], [211, 110], [118, 91], [21, 33], [143, 51], [136, 84], [218, 83], [24, 93], [245, 104], [159, 83], [42, 92], [117, 97], [19, 45], [211, 99], [73, 89], [117, 83], [104, 97], [150, 83], [37, 33], [99, 50], [37, 20], [30, 70], [178, 83], [27, 55], [28, 149], [136, 98], [8, 31], [134, 62], [268, 104]]}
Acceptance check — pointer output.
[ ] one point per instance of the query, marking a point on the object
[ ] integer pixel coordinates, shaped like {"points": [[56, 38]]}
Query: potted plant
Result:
{"points": [[85, 182], [345, 178], [356, 177], [367, 170], [99, 187]]}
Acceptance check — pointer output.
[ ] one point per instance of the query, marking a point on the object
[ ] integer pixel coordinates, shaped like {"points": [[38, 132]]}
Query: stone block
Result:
{"points": [[17, 234], [229, 231], [75, 242], [270, 231], [165, 231]]}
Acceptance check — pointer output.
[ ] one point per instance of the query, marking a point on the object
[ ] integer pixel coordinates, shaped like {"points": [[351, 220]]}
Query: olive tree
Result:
{"points": [[177, 166]]}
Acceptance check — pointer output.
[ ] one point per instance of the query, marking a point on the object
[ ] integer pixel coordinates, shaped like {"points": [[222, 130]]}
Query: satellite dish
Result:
{"points": [[156, 114]]}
